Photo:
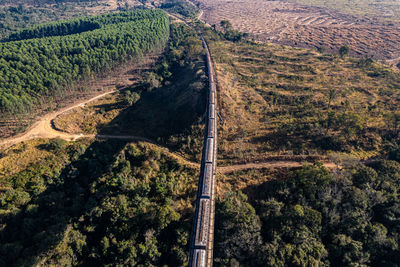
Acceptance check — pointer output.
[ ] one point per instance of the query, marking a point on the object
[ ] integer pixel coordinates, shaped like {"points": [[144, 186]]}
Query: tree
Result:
{"points": [[226, 25], [344, 51], [131, 98], [237, 229]]}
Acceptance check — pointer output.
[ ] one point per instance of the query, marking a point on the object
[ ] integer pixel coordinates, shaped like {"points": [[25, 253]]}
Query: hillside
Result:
{"points": [[291, 104], [296, 103], [388, 11]]}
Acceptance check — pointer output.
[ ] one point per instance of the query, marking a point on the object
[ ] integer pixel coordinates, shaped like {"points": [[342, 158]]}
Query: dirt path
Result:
{"points": [[43, 128], [269, 165]]}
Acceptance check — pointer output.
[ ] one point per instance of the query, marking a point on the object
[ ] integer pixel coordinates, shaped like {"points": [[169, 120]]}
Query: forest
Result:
{"points": [[314, 217], [32, 69]]}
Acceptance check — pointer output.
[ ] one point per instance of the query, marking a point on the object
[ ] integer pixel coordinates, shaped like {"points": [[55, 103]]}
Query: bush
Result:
{"points": [[54, 144], [344, 51]]}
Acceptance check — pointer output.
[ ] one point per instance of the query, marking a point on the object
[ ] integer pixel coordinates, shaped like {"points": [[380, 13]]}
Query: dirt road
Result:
{"points": [[43, 127], [269, 165]]}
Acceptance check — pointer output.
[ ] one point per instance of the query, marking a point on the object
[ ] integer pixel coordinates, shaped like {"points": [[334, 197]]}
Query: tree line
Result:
{"points": [[35, 68]]}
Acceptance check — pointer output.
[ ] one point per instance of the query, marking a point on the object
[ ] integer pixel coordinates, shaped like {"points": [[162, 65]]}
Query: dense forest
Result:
{"points": [[112, 204], [35, 68], [314, 218], [180, 7]]}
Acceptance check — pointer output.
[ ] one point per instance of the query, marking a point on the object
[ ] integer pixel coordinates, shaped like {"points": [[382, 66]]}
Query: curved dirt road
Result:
{"points": [[43, 127]]}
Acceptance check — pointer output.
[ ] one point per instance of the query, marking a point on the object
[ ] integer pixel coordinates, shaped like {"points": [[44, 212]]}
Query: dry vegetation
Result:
{"points": [[304, 26], [121, 77], [280, 102], [247, 179]]}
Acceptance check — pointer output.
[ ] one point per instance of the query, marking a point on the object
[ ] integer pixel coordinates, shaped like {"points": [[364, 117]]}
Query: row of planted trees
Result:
{"points": [[37, 67]]}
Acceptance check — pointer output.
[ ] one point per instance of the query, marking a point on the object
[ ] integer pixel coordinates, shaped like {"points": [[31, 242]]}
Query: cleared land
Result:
{"points": [[388, 11], [304, 26]]}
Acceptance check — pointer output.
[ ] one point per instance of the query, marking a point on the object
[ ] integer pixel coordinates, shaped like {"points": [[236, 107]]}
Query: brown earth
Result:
{"points": [[303, 26], [122, 76]]}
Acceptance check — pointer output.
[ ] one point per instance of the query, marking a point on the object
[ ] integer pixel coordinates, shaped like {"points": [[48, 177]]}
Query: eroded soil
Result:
{"points": [[311, 27]]}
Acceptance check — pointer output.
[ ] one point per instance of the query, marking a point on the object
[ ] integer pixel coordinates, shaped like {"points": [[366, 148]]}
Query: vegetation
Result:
{"points": [[173, 90], [36, 68], [18, 14], [129, 206], [131, 203], [344, 51], [181, 7], [230, 33], [110, 202], [313, 218], [280, 101]]}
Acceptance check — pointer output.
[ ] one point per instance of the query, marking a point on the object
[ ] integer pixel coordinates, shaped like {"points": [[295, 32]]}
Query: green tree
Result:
{"points": [[344, 51]]}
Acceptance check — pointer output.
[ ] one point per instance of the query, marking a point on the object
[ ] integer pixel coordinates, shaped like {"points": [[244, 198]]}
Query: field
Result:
{"points": [[305, 26], [388, 11], [291, 103]]}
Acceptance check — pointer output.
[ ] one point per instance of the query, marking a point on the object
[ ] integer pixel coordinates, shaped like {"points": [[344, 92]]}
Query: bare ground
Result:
{"points": [[311, 27], [122, 76]]}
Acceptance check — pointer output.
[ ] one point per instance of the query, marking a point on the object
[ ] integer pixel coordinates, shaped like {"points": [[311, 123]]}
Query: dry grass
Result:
{"points": [[34, 152], [248, 180], [91, 117], [275, 100]]}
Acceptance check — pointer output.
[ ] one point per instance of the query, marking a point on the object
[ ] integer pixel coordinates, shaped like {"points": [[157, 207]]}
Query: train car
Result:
{"points": [[199, 258], [210, 150], [207, 181], [211, 79], [211, 128], [211, 111], [212, 94], [203, 223]]}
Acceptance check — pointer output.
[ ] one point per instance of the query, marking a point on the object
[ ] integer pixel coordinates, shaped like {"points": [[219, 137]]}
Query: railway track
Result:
{"points": [[202, 236]]}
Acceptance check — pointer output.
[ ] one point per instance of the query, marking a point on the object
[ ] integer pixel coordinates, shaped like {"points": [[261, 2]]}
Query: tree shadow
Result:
{"points": [[162, 112], [32, 233], [40, 225]]}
